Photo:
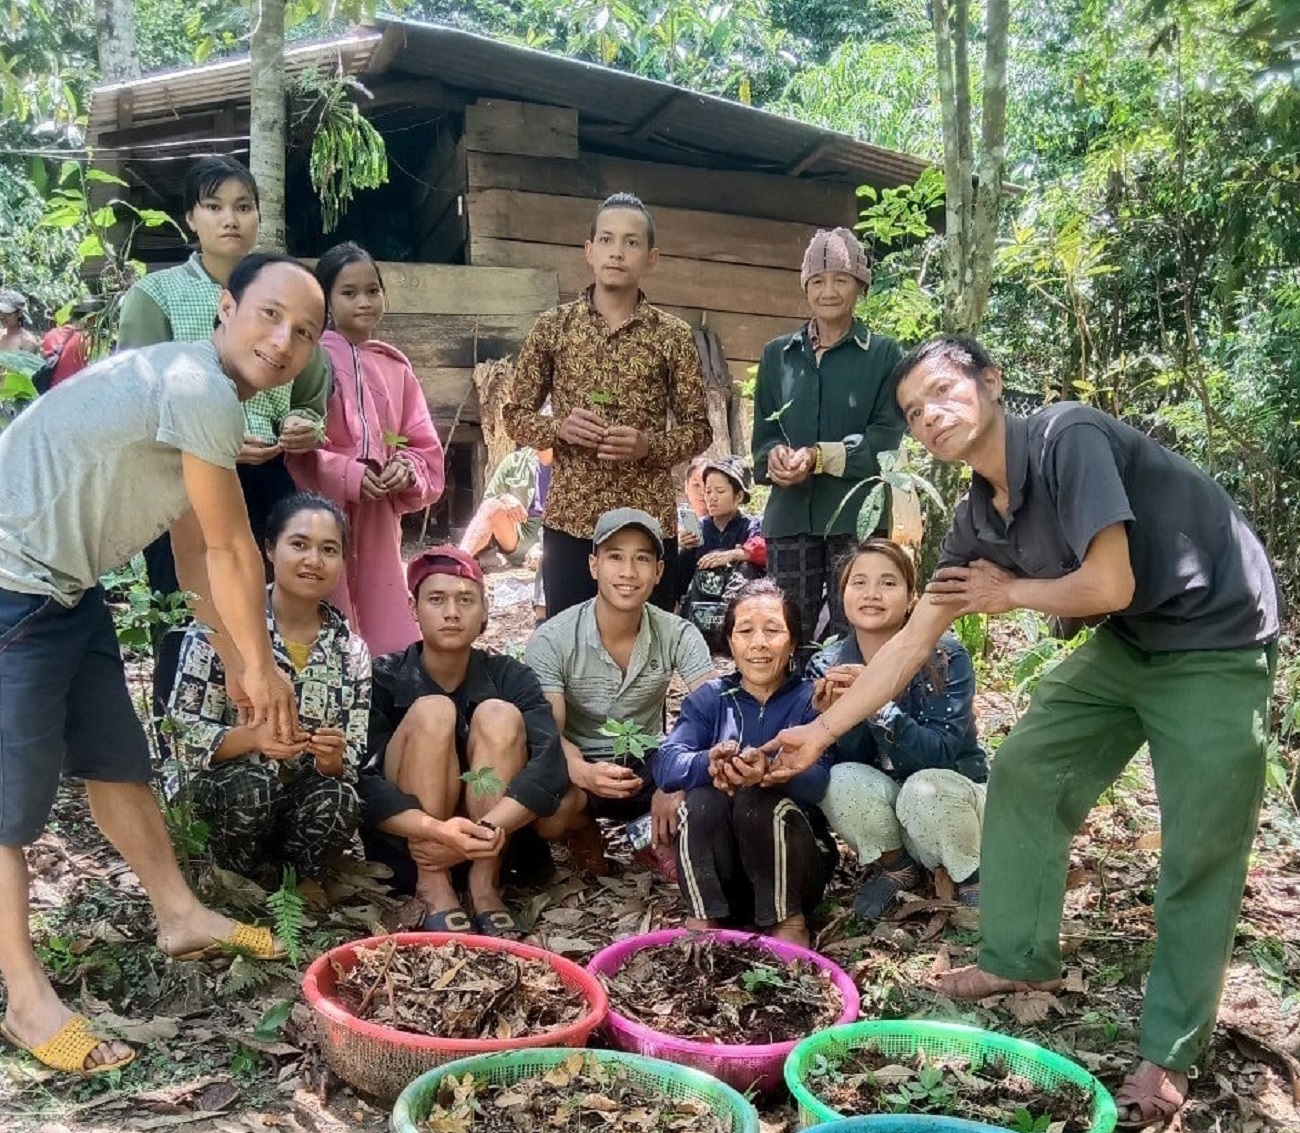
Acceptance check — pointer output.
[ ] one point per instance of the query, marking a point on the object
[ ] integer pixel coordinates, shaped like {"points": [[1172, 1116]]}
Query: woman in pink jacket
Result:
{"points": [[381, 457]]}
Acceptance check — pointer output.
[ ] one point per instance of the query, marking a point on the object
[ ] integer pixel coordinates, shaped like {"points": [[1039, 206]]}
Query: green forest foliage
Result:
{"points": [[1151, 255]]}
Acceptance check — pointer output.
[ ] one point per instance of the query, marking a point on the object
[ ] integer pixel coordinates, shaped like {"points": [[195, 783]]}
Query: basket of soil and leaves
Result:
{"points": [[391, 1007], [561, 1090], [732, 1004], [943, 1070], [903, 1123]]}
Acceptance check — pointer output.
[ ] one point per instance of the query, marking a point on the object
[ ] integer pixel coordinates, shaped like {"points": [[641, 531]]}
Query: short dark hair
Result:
{"points": [[765, 588], [335, 259], [632, 203], [959, 350], [252, 265], [285, 509], [208, 174]]}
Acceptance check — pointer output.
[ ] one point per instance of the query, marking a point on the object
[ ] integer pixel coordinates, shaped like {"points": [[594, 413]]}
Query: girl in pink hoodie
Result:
{"points": [[381, 457]]}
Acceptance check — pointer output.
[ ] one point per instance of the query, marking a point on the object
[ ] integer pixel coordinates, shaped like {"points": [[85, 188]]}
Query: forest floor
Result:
{"points": [[228, 1048]]}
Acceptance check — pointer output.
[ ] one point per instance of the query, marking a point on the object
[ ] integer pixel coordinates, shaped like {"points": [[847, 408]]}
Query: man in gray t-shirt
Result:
{"points": [[1078, 516], [91, 473]]}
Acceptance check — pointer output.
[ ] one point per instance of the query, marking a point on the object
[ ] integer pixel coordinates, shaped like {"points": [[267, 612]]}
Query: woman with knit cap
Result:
{"points": [[823, 412]]}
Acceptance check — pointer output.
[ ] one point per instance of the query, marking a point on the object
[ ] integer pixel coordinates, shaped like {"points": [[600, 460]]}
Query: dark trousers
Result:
{"points": [[264, 486], [807, 568], [566, 572], [752, 857]]}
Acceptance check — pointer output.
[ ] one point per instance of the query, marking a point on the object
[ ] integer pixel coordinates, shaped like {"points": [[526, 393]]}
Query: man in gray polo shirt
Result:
{"points": [[95, 470], [612, 658], [1078, 516]]}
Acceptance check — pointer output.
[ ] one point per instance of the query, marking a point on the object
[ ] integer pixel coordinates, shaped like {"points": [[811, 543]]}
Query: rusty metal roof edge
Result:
{"points": [[237, 63]]}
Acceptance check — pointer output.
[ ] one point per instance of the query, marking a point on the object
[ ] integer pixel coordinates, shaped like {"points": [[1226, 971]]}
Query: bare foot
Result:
{"points": [[793, 930], [41, 1021], [1151, 1095], [700, 924], [198, 929], [972, 982]]}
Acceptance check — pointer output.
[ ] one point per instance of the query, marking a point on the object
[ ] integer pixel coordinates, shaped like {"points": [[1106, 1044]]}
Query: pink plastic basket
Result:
{"points": [[756, 1066], [381, 1060]]}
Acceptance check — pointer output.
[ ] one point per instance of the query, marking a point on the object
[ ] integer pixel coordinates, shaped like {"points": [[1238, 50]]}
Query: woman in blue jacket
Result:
{"points": [[749, 854], [908, 790]]}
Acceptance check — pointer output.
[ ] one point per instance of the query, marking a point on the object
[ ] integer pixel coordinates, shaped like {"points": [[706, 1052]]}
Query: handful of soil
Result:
{"points": [[702, 988], [577, 1094], [866, 1081], [456, 992]]}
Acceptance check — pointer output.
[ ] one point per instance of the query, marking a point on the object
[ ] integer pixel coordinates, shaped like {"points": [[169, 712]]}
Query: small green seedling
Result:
{"points": [[631, 741], [775, 418], [760, 976], [395, 441], [600, 397], [1024, 1122], [483, 782]]}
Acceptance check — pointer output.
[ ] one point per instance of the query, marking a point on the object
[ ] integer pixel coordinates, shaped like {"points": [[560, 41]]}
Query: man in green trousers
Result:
{"points": [[1079, 516]]}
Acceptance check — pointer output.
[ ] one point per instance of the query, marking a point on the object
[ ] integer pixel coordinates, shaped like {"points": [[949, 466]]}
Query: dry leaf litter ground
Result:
{"points": [[228, 1047]]}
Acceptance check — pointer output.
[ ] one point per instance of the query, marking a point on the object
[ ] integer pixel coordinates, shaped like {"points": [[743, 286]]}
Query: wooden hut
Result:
{"points": [[499, 156]]}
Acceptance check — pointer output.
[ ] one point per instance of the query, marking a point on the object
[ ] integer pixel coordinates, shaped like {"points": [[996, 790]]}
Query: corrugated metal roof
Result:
{"points": [[618, 112], [170, 93]]}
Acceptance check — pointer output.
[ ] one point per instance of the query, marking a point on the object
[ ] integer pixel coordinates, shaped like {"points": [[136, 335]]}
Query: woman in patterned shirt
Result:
{"points": [[908, 790], [270, 803]]}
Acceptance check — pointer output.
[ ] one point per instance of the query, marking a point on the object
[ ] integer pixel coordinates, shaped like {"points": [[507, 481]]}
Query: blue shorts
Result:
{"points": [[64, 707]]}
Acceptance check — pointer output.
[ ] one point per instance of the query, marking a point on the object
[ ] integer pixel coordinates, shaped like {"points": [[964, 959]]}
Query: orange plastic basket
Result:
{"points": [[382, 1061]]}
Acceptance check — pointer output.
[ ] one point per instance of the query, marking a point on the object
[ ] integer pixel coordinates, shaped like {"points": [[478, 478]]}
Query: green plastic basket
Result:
{"points": [[506, 1067], [904, 1038]]}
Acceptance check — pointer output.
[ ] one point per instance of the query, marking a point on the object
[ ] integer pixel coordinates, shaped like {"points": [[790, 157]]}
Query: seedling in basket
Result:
{"points": [[631, 741]]}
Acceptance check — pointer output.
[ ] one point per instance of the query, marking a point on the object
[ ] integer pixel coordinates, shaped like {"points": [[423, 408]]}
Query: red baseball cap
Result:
{"points": [[442, 560]]}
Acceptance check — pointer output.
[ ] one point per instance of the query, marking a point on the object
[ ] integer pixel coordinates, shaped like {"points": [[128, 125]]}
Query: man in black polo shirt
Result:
{"points": [[1078, 516]]}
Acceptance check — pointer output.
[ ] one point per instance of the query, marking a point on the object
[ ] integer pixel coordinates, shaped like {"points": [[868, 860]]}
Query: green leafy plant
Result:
{"points": [[347, 152], [600, 399], [777, 419], [895, 471], [483, 783], [395, 441], [761, 976], [925, 1094], [1022, 1121], [288, 907], [631, 741]]}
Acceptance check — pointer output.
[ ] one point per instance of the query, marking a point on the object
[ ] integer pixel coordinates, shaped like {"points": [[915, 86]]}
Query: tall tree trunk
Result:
{"points": [[973, 189], [115, 36], [268, 121]]}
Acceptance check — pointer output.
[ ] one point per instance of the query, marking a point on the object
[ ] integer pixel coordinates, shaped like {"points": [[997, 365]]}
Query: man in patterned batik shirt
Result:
{"points": [[623, 378]]}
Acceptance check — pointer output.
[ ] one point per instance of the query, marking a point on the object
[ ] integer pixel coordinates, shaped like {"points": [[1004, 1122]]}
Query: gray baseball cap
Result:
{"points": [[11, 301], [612, 522]]}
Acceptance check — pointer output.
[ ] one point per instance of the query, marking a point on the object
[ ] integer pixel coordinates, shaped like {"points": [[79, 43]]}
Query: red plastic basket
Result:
{"points": [[382, 1061], [742, 1067]]}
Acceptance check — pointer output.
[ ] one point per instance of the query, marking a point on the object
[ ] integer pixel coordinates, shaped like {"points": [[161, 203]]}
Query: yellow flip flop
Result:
{"points": [[245, 940], [68, 1049]]}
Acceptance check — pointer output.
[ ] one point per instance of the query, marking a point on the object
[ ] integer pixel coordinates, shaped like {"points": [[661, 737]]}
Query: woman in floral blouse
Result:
{"points": [[269, 803]]}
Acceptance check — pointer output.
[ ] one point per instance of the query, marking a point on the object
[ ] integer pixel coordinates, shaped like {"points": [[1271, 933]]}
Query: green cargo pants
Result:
{"points": [[1204, 716]]}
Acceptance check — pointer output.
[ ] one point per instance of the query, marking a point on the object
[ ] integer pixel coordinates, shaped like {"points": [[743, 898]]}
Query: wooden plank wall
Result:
{"points": [[446, 317], [730, 242]]}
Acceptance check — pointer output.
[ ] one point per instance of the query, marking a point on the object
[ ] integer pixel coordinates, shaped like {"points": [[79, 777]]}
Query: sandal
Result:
{"points": [[243, 940], [1150, 1090], [447, 920], [500, 922], [972, 982], [68, 1049]]}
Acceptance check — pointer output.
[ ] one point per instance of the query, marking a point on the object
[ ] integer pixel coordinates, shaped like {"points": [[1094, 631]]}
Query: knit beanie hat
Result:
{"points": [[835, 249]]}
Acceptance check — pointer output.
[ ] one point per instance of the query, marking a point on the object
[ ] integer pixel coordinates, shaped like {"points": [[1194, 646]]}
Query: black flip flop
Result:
{"points": [[448, 920], [500, 922]]}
